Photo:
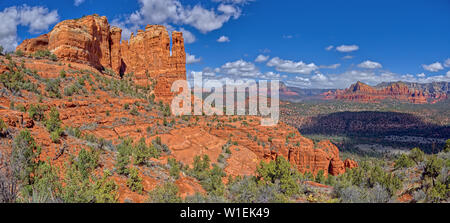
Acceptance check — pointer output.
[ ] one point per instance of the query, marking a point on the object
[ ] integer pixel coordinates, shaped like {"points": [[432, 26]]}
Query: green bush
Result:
{"points": [[53, 123], [134, 181], [123, 156], [52, 88], [280, 171], [142, 152], [174, 167], [24, 156], [168, 193], [36, 112], [404, 162]]}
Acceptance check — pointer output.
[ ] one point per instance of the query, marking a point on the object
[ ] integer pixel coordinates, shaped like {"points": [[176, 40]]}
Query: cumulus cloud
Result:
{"points": [[187, 36], [333, 66], [289, 66], [36, 18], [347, 48], [240, 68], [434, 67], [173, 12], [421, 75], [223, 39], [78, 2], [447, 62], [190, 59], [261, 58], [370, 65]]}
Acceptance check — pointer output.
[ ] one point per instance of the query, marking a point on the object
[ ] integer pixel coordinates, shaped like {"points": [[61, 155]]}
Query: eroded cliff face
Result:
{"points": [[91, 40], [361, 92]]}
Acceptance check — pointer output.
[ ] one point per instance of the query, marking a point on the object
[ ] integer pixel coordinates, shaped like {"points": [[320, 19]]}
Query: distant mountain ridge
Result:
{"points": [[416, 93]]}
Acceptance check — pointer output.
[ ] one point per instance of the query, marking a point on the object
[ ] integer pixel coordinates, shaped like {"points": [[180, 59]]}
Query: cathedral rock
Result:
{"points": [[147, 55]]}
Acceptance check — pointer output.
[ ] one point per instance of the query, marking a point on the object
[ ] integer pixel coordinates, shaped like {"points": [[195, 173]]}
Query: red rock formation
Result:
{"points": [[32, 45], [364, 93], [146, 55]]}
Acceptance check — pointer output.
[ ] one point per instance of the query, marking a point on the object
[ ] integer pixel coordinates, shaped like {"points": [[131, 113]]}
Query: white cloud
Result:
{"points": [[370, 65], [448, 74], [36, 18], [187, 36], [223, 39], [347, 48], [190, 59], [333, 66], [240, 68], [348, 57], [447, 62], [289, 66], [261, 58], [78, 2], [288, 36], [172, 11], [421, 75], [434, 67], [329, 48]]}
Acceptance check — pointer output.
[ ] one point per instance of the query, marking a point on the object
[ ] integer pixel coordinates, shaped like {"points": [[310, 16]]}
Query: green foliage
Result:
{"points": [[279, 171], [73, 131], [47, 185], [213, 183], [105, 189], [168, 193], [45, 54], [417, 155], [433, 167], [134, 181], [19, 53], [404, 161], [53, 123], [86, 161], [320, 177], [447, 146], [174, 167], [3, 127], [62, 74], [24, 156], [123, 156], [142, 152], [36, 112], [52, 88], [134, 111], [14, 80]]}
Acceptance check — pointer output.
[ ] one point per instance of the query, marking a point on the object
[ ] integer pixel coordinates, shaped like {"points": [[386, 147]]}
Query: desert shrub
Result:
{"points": [[142, 152], [73, 131], [279, 171], [14, 81], [123, 156], [47, 185], [247, 189], [24, 156], [53, 123], [404, 162], [52, 88], [3, 128], [105, 189], [134, 111], [62, 74], [36, 112], [168, 193], [86, 161], [1, 50], [174, 167], [126, 106], [213, 182], [320, 177], [19, 53], [417, 155], [134, 181], [447, 146]]}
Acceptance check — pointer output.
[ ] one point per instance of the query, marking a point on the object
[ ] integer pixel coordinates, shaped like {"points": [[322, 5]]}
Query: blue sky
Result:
{"points": [[309, 44]]}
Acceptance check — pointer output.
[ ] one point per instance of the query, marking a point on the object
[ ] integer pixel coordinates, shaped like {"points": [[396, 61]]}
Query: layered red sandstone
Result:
{"points": [[145, 55]]}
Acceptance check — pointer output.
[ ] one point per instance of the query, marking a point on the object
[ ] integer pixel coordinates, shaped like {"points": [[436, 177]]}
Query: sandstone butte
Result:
{"points": [[91, 40], [361, 92], [88, 45]]}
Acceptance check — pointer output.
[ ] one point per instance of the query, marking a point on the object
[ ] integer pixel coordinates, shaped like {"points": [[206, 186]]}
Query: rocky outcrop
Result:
{"points": [[91, 40], [32, 45], [361, 92]]}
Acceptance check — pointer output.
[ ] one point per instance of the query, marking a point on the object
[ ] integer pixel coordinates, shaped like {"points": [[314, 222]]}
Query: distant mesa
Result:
{"points": [[407, 92], [91, 40]]}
